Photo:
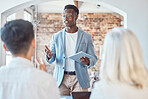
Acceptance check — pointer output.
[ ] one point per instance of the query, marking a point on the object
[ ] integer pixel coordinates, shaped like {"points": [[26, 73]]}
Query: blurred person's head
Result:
{"points": [[122, 59], [18, 38], [70, 15]]}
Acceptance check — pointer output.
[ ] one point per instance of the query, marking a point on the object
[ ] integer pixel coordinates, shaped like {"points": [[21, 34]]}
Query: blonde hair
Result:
{"points": [[122, 59]]}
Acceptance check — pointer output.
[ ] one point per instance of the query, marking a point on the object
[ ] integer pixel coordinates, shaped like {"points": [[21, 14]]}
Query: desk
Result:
{"points": [[77, 95], [66, 97]]}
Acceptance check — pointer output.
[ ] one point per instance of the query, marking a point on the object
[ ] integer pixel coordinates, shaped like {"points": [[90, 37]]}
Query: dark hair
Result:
{"points": [[72, 7], [17, 36]]}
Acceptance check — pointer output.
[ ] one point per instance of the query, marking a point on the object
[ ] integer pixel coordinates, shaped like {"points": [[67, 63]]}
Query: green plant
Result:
{"points": [[93, 69]]}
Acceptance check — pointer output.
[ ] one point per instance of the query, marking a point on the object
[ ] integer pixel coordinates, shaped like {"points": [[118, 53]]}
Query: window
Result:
{"points": [[11, 17], [27, 16], [8, 54]]}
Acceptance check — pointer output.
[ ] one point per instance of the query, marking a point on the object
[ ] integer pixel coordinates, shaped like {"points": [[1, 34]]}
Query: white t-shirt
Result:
{"points": [[70, 44], [20, 80]]}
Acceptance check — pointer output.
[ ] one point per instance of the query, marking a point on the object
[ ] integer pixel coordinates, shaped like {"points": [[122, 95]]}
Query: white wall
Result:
{"points": [[137, 17], [137, 20]]}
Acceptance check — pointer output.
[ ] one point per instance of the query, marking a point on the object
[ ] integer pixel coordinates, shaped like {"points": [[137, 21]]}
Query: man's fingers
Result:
{"points": [[82, 59], [38, 63], [85, 57], [51, 54], [47, 51], [47, 48], [42, 61], [43, 67]]}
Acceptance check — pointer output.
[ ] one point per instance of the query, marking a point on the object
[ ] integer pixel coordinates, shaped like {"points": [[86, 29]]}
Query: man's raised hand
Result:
{"points": [[48, 52], [41, 65]]}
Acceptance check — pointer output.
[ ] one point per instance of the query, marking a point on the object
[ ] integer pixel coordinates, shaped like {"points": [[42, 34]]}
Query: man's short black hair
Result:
{"points": [[17, 36], [72, 7]]}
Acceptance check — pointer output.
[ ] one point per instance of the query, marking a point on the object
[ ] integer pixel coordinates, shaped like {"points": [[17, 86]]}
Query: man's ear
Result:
{"points": [[33, 43], [4, 46]]}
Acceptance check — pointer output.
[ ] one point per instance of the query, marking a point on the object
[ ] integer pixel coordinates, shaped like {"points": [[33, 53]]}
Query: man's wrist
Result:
{"points": [[88, 64]]}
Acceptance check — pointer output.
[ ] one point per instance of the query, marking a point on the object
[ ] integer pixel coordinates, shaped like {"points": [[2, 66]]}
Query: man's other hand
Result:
{"points": [[85, 60], [41, 65]]}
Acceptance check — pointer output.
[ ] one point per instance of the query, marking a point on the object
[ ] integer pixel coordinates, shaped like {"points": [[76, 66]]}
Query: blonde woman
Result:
{"points": [[123, 74]]}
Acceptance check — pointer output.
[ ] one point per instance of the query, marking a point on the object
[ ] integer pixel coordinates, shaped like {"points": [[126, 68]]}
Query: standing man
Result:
{"points": [[19, 79], [69, 74]]}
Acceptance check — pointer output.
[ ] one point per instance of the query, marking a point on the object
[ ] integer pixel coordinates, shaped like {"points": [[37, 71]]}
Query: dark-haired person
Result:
{"points": [[70, 75], [19, 79]]}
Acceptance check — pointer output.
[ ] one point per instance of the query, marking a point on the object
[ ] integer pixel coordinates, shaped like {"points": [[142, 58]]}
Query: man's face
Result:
{"points": [[69, 17]]}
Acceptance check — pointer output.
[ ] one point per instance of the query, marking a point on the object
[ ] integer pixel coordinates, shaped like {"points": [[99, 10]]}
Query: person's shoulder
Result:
{"points": [[40, 76], [58, 34], [2, 68], [40, 73], [84, 33], [107, 85], [44, 78], [99, 83], [102, 84]]}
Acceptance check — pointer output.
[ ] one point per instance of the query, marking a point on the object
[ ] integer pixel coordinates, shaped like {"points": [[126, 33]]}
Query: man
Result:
{"points": [[19, 79], [69, 74]]}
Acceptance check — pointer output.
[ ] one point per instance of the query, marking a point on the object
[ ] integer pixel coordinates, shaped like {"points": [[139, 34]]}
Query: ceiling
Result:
{"points": [[58, 6]]}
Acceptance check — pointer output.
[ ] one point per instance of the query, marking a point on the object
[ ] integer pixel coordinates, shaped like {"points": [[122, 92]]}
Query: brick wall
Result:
{"points": [[97, 24]]}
